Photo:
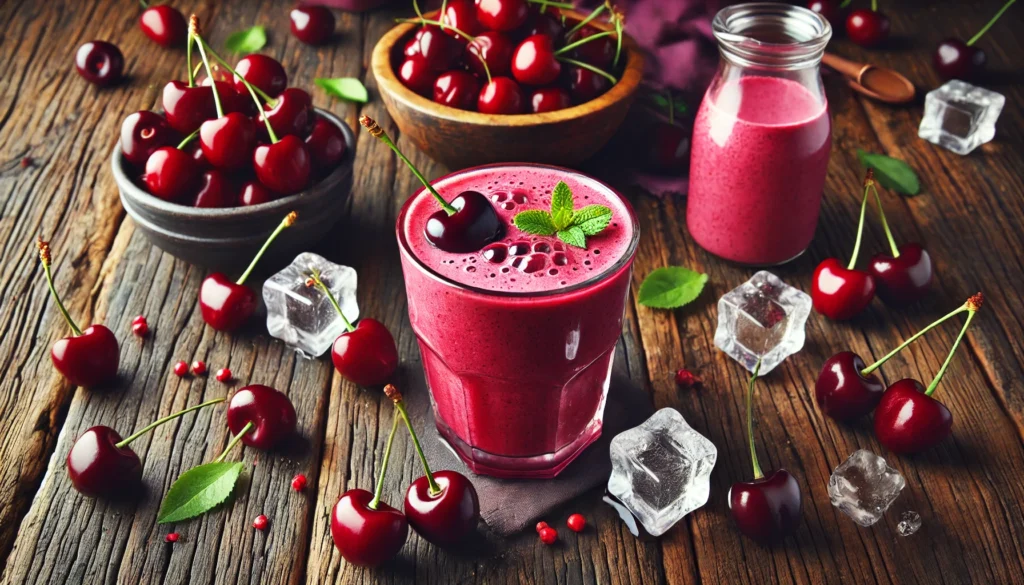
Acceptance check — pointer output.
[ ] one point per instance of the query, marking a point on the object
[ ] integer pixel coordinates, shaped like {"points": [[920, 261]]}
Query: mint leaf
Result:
{"points": [[573, 236], [592, 219], [349, 89], [671, 287], [891, 173], [247, 41], [535, 221], [199, 490], [561, 205]]}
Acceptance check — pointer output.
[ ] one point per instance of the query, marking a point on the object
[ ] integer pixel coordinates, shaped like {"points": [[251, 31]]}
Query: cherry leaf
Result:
{"points": [[891, 173], [247, 41], [198, 491], [671, 287], [349, 89]]}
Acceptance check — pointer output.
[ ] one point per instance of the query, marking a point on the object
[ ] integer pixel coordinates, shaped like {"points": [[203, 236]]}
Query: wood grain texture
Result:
{"points": [[967, 490]]}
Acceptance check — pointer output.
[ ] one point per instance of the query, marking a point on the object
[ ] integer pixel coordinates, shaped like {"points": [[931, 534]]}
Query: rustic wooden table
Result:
{"points": [[969, 490]]}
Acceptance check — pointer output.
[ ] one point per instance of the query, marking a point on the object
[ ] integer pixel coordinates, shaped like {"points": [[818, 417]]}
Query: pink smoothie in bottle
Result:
{"points": [[757, 169], [517, 339]]}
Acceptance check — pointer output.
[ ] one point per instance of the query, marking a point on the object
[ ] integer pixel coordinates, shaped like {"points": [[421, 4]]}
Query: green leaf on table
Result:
{"points": [[349, 89], [891, 173], [592, 219], [561, 205], [247, 41], [199, 490], [535, 221], [572, 227], [573, 236], [671, 287]]}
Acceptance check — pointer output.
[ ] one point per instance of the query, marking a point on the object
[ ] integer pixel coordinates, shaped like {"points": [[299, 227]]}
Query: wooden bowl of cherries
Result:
{"points": [[508, 80], [233, 151]]}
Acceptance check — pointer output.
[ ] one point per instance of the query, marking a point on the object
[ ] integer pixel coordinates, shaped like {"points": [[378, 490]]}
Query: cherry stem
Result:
{"points": [[188, 139], [188, 60], [860, 230], [234, 441], [391, 392], [314, 275], [377, 132], [583, 41], [469, 39], [671, 108], [379, 489], [972, 305], [144, 4], [285, 223], [161, 421], [985, 28], [209, 72], [867, 371], [758, 474], [44, 257], [593, 14], [617, 21], [885, 224], [266, 98], [553, 4], [589, 67], [874, 5], [845, 3]]}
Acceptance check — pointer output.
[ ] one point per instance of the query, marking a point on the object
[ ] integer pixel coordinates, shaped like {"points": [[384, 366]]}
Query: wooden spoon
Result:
{"points": [[879, 83]]}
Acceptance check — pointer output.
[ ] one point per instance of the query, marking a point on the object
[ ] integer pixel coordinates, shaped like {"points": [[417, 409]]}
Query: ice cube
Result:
{"points": [[303, 316], [960, 117], [661, 470], [864, 486], [762, 318], [910, 522]]}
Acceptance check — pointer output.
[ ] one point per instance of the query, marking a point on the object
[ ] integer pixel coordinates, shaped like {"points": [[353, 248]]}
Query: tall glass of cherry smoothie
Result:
{"points": [[518, 338], [762, 136]]}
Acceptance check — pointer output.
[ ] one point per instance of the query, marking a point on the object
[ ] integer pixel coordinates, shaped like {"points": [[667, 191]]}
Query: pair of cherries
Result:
{"points": [[842, 292], [907, 418], [443, 507]]}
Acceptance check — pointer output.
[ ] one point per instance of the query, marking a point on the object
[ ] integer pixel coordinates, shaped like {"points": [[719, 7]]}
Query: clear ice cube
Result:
{"points": [[910, 522], [762, 318], [661, 470], [960, 117], [302, 316], [864, 487]]}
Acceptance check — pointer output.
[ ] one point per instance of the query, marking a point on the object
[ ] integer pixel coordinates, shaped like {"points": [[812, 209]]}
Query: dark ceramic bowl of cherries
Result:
{"points": [[489, 81], [209, 177]]}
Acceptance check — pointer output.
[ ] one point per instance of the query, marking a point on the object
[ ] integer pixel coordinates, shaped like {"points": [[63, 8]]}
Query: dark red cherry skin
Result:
{"points": [[254, 193], [908, 421], [186, 108], [284, 167], [549, 99], [313, 25], [842, 392], [367, 356], [263, 72], [544, 23], [501, 15], [164, 25], [599, 53], [585, 85], [905, 279], [224, 304], [195, 151], [840, 293], [365, 537], [534, 63], [767, 509], [493, 48], [89, 359], [291, 114], [100, 63], [142, 133], [445, 518], [440, 51], [501, 96], [830, 10], [228, 141], [669, 150], [474, 225], [99, 469], [461, 14], [270, 412], [171, 174], [231, 100], [326, 146], [953, 59], [867, 28], [457, 89], [217, 190], [417, 75]]}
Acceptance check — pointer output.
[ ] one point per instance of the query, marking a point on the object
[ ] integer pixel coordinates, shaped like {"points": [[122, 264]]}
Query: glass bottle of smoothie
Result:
{"points": [[762, 136], [518, 339]]}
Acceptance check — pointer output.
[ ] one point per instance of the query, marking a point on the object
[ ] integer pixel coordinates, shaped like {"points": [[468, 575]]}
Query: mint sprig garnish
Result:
{"points": [[572, 226]]}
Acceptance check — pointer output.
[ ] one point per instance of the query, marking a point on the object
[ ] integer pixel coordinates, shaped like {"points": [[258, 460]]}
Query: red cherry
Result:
{"points": [[544, 23], [585, 85], [687, 379], [549, 99], [326, 145], [217, 191], [140, 327], [225, 305], [954, 59], [766, 509], [313, 25], [195, 152], [89, 359], [501, 96], [199, 367], [366, 356], [909, 421], [180, 369], [164, 25], [904, 279], [284, 167], [445, 518], [230, 99], [541, 526], [254, 193], [501, 15], [367, 537], [534, 62], [171, 174], [292, 113], [548, 536], [99, 468], [260, 523], [417, 75], [474, 225], [440, 51], [299, 482], [600, 53], [100, 63], [186, 108], [228, 141], [830, 10], [842, 391], [576, 522], [669, 149], [840, 293], [493, 48], [461, 14], [142, 133], [263, 72], [867, 28], [457, 89], [270, 412], [172, 537], [223, 375]]}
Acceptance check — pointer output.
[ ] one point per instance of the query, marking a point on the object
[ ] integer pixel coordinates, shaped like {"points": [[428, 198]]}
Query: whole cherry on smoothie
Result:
{"points": [[908, 420], [261, 416], [904, 276], [227, 305], [466, 224], [101, 463], [89, 357]]}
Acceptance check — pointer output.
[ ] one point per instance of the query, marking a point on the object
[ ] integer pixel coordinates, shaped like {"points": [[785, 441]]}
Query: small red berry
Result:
{"points": [[199, 367], [548, 536], [687, 379], [576, 522], [541, 526], [139, 326], [223, 375], [260, 523], [26, 162], [180, 369], [299, 482], [172, 537]]}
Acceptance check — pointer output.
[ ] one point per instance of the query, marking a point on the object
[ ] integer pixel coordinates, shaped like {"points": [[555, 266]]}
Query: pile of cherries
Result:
{"points": [[509, 57]]}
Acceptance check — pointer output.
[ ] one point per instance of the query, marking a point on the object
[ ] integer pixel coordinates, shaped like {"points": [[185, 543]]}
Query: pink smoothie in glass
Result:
{"points": [[757, 169], [517, 340]]}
